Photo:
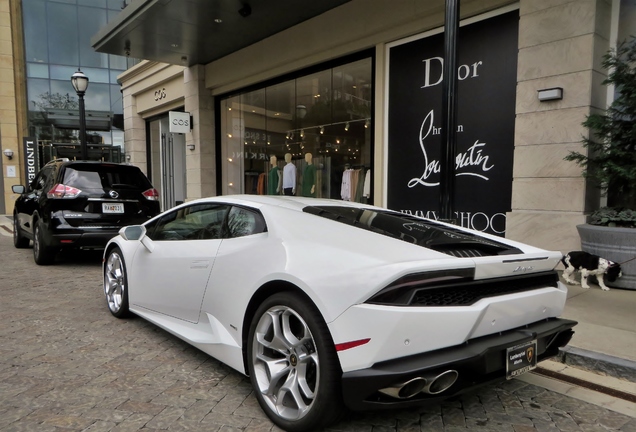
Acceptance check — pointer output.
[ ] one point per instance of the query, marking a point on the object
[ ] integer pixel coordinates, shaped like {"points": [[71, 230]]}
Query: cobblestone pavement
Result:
{"points": [[67, 365]]}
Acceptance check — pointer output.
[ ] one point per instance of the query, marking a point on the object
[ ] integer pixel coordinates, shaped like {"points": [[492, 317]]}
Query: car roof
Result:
{"points": [[66, 162], [290, 202]]}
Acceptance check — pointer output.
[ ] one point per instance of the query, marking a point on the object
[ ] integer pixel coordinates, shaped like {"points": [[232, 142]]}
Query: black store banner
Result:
{"points": [[487, 73], [31, 163]]}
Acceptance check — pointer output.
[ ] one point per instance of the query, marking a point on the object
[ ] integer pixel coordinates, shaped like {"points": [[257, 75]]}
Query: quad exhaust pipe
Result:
{"points": [[432, 384]]}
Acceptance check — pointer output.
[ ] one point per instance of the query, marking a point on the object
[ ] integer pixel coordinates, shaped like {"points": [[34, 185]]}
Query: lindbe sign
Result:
{"points": [[31, 165], [179, 122]]}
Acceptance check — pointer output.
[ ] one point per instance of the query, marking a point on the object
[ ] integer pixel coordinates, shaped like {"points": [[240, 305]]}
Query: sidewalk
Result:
{"points": [[604, 341]]}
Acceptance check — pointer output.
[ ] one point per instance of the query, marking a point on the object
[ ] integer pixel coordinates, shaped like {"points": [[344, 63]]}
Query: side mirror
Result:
{"points": [[137, 232], [133, 232], [18, 189]]}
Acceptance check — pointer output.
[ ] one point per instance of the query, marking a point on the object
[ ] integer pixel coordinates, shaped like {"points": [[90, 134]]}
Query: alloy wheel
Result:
{"points": [[114, 282], [37, 242], [285, 362]]}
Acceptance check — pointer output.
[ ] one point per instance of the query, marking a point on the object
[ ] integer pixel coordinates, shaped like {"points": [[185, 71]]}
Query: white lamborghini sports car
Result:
{"points": [[331, 304]]}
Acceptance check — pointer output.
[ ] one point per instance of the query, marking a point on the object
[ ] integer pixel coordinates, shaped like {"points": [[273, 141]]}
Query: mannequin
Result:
{"points": [[289, 176], [274, 178], [309, 177]]}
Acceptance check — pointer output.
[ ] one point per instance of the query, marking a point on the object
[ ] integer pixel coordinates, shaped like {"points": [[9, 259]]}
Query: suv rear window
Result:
{"points": [[93, 176]]}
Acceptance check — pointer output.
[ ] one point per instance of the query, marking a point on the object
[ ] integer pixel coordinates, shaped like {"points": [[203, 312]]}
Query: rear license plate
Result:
{"points": [[112, 208], [521, 359]]}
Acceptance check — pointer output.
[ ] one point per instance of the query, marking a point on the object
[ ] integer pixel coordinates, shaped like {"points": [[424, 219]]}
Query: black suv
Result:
{"points": [[73, 204]]}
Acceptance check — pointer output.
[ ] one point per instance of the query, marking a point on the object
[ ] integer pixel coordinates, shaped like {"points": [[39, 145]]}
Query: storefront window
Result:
{"points": [[320, 123]]}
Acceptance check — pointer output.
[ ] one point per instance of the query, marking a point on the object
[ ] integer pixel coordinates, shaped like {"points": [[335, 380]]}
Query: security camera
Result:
{"points": [[245, 11], [8, 153]]}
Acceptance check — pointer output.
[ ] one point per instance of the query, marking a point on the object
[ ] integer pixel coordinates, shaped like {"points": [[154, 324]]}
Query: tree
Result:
{"points": [[611, 146]]}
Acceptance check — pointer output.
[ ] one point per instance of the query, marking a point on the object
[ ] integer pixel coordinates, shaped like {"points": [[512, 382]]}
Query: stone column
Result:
{"points": [[561, 44], [13, 108], [134, 132], [201, 161]]}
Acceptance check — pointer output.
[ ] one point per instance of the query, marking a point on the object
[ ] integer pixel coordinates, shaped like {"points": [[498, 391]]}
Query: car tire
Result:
{"points": [[116, 284], [19, 241], [293, 365], [43, 254]]}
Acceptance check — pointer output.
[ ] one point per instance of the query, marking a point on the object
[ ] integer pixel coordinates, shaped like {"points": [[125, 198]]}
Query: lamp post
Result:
{"points": [[80, 84]]}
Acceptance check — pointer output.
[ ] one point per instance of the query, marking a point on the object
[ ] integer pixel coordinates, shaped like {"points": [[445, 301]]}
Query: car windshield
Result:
{"points": [[94, 176], [411, 229]]}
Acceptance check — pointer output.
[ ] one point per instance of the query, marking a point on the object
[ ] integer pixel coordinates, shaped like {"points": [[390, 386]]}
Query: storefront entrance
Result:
{"points": [[167, 163]]}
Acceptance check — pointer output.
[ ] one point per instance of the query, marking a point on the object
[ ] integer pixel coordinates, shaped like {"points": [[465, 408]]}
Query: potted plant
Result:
{"points": [[610, 163]]}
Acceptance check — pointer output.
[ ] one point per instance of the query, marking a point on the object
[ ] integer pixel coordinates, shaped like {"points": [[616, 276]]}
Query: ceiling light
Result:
{"points": [[347, 126], [218, 20], [322, 130]]}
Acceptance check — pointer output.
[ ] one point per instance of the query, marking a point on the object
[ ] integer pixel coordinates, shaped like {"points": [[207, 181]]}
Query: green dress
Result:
{"points": [[309, 180], [272, 181]]}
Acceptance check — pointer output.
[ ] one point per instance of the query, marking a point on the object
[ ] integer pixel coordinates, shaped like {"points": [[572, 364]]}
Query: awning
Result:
{"points": [[188, 32]]}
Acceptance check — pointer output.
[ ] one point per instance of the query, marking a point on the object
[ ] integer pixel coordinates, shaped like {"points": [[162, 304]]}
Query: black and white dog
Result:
{"points": [[589, 264]]}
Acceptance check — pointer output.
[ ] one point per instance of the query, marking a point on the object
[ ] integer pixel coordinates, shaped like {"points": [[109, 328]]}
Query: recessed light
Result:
{"points": [[174, 45], [218, 20]]}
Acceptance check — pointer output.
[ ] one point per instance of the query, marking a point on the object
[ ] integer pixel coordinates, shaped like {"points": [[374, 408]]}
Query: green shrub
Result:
{"points": [[610, 161], [613, 217]]}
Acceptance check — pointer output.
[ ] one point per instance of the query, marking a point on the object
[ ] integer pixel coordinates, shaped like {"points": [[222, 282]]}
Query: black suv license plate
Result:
{"points": [[521, 359]]}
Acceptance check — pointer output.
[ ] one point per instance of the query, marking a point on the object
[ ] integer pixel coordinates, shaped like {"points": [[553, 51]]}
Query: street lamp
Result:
{"points": [[80, 84]]}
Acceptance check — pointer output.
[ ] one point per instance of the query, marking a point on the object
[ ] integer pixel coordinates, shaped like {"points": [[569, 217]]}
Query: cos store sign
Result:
{"points": [[180, 122]]}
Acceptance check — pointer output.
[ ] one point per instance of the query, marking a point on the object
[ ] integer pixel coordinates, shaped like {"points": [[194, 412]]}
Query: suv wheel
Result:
{"points": [[19, 241], [42, 253]]}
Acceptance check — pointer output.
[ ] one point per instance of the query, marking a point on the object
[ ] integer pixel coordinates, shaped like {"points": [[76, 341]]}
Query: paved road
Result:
{"points": [[67, 365]]}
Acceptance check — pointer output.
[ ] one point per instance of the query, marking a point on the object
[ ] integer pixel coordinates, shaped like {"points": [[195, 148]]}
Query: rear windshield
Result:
{"points": [[92, 176], [411, 229]]}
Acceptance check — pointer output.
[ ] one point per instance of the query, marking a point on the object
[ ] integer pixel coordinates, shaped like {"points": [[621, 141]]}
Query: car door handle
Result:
{"points": [[202, 264]]}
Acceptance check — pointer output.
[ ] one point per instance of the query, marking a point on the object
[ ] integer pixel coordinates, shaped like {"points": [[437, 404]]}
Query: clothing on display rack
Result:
{"points": [[356, 184]]}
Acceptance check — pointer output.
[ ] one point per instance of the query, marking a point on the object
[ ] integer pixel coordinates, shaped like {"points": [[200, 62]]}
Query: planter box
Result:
{"points": [[615, 244]]}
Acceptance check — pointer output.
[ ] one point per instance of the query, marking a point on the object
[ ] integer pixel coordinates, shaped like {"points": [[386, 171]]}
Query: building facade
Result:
{"points": [[358, 88], [43, 43]]}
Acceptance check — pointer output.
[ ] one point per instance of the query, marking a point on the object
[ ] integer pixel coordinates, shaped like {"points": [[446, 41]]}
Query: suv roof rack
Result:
{"points": [[58, 160]]}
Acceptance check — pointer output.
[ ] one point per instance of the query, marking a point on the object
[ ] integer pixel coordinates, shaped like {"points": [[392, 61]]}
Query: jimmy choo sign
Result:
{"points": [[487, 59]]}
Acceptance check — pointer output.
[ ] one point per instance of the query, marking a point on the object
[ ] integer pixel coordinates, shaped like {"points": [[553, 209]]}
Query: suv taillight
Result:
{"points": [[151, 194], [63, 191]]}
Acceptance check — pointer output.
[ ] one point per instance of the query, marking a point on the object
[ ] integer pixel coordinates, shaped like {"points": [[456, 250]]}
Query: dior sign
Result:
{"points": [[486, 93]]}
